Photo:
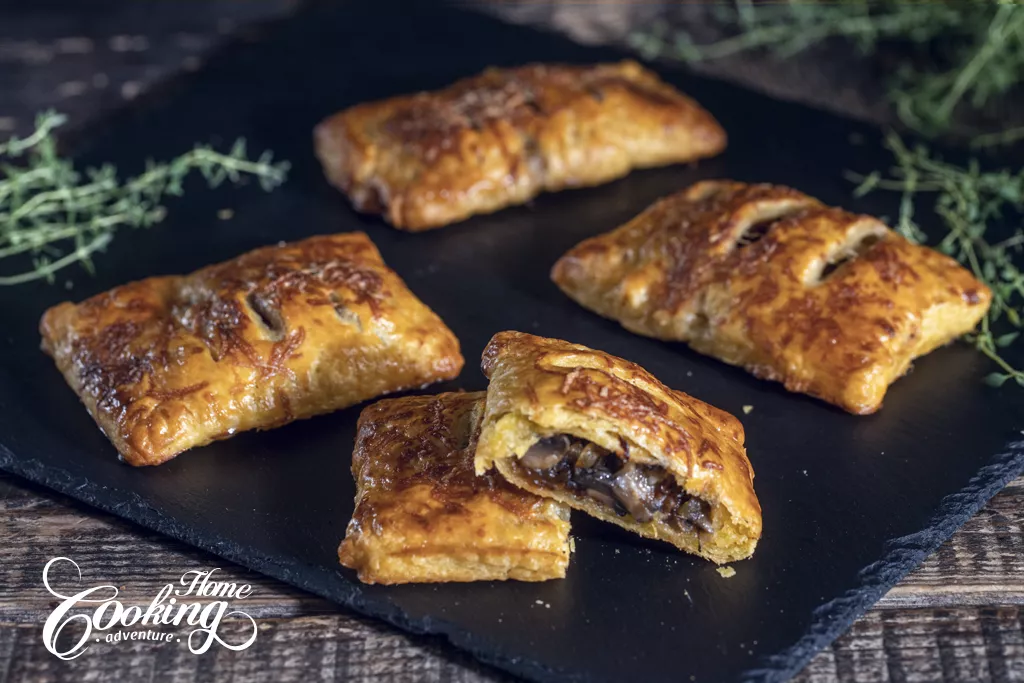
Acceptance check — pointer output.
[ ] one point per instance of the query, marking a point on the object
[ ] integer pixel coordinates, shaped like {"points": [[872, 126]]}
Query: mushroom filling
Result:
{"points": [[644, 492]]}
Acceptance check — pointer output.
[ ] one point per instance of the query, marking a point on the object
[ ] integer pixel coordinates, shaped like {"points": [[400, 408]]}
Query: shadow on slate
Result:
{"points": [[850, 503]]}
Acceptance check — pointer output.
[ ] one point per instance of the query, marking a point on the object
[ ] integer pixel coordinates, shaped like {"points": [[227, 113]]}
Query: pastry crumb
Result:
{"points": [[726, 572], [225, 214], [572, 544], [748, 409]]}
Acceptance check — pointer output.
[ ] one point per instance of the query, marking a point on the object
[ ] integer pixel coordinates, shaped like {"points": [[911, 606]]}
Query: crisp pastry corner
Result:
{"points": [[602, 435], [502, 137], [423, 515], [827, 302], [277, 334]]}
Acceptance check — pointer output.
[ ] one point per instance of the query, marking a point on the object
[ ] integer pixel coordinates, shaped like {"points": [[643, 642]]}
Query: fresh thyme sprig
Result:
{"points": [[974, 51], [61, 216], [968, 200]]}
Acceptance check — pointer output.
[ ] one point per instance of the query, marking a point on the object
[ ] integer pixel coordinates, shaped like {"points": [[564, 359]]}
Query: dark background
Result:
{"points": [[86, 58]]}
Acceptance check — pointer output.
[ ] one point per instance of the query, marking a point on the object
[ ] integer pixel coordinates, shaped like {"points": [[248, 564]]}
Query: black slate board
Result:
{"points": [[850, 503]]}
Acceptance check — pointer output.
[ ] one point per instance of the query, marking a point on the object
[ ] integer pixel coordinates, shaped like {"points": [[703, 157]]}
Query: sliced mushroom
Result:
{"points": [[602, 496], [546, 453], [644, 492], [633, 489], [697, 512], [593, 477], [590, 456]]}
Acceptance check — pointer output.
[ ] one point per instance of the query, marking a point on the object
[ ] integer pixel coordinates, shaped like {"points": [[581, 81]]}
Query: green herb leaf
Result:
{"points": [[961, 54], [1005, 340], [59, 217], [996, 379], [967, 200]]}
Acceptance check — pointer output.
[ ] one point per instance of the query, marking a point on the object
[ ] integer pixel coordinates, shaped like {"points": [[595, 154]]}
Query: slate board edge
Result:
{"points": [[902, 555], [830, 620], [130, 506]]}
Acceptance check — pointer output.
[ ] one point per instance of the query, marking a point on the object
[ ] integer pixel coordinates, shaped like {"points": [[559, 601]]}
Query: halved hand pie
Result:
{"points": [[421, 513], [830, 303], [505, 135], [602, 435], [280, 333]]}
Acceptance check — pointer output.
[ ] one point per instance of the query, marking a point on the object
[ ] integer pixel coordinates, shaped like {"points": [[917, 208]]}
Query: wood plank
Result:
{"points": [[964, 644], [332, 647], [88, 59], [834, 76], [942, 640], [957, 618], [982, 564], [108, 549], [895, 645]]}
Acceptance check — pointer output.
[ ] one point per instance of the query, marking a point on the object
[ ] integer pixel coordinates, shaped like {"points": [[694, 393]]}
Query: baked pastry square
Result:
{"points": [[602, 435], [829, 303], [280, 333], [506, 135], [422, 514]]}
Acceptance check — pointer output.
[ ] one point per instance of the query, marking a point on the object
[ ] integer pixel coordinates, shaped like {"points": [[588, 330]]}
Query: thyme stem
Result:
{"points": [[968, 200], [954, 53], [62, 217]]}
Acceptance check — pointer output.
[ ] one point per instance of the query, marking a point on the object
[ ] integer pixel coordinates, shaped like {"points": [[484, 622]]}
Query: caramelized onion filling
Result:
{"points": [[643, 492]]}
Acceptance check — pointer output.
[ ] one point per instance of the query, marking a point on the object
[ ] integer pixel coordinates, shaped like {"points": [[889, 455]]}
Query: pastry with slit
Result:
{"points": [[284, 332], [422, 514], [830, 303], [503, 136], [602, 435]]}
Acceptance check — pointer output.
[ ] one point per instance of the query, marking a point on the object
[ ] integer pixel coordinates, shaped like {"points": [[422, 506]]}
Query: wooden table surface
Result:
{"points": [[959, 617]]}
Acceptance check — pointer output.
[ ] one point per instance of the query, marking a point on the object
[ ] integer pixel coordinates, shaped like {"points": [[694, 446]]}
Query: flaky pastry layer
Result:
{"points": [[540, 388], [280, 333], [829, 303], [505, 135], [422, 514]]}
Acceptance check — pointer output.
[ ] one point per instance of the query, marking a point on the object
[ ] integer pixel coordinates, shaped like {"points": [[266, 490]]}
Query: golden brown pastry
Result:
{"points": [[422, 515], [505, 135], [280, 333], [602, 435], [830, 303]]}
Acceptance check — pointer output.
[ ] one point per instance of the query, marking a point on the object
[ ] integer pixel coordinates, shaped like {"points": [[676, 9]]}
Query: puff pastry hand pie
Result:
{"points": [[505, 135], [422, 515], [277, 334], [827, 302], [602, 435]]}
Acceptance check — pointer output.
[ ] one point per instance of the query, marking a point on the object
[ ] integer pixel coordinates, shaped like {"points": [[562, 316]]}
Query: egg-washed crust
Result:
{"points": [[422, 515], [540, 387], [280, 333], [829, 303], [502, 137]]}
